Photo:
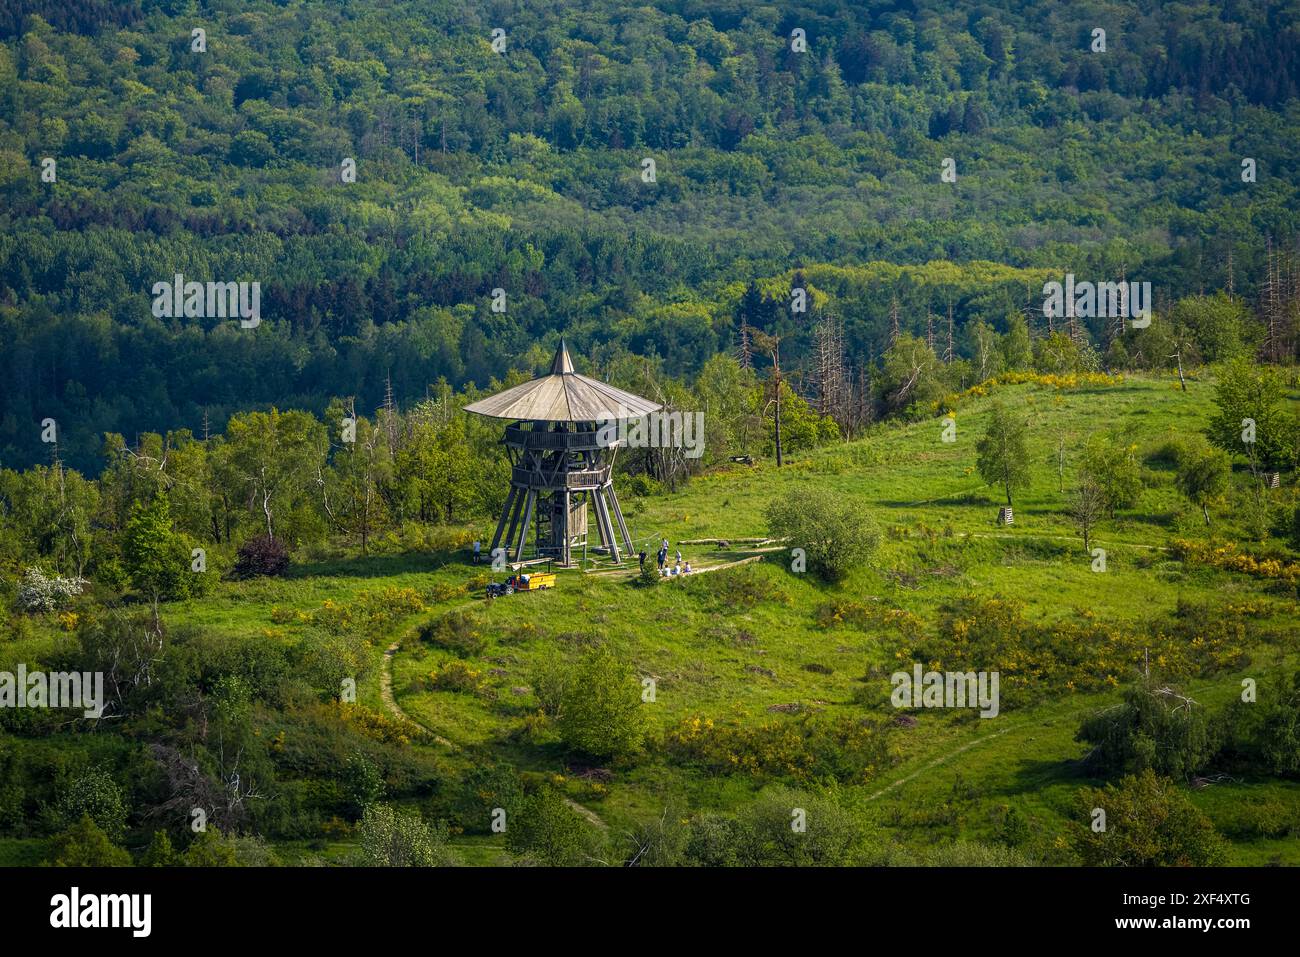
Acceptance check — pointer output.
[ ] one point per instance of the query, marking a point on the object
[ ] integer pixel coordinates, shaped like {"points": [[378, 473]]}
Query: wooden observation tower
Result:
{"points": [[558, 465]]}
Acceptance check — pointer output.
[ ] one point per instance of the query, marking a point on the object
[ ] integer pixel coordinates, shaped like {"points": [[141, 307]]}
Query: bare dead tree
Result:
{"points": [[126, 650], [189, 786], [223, 799], [1060, 462], [667, 461], [1186, 703], [860, 401], [831, 377], [745, 354], [1031, 313], [644, 837], [1291, 304], [1178, 357], [390, 413], [948, 351], [1270, 305], [772, 346]]}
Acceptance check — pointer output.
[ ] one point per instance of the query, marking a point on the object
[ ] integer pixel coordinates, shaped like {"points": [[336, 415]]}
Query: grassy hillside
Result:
{"points": [[830, 229], [734, 645], [748, 659]]}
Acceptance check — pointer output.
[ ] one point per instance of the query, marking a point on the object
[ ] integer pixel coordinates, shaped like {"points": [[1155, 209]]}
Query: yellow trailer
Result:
{"points": [[535, 581], [515, 583]]}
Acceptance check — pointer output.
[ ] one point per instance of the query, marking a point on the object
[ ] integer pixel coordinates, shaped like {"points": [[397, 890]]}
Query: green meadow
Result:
{"points": [[758, 645]]}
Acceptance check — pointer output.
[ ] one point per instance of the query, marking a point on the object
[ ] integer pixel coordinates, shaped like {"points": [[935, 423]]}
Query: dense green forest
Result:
{"points": [[521, 170]]}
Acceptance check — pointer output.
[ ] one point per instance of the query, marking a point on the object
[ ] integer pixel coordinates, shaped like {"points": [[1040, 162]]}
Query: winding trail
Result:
{"points": [[395, 709], [390, 701], [938, 761], [1063, 538], [752, 555], [586, 812]]}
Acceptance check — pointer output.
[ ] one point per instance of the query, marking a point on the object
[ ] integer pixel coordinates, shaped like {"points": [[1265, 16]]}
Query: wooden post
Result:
{"points": [[606, 526], [1181, 381], [501, 524], [529, 499], [622, 523], [566, 539], [520, 495], [599, 504]]}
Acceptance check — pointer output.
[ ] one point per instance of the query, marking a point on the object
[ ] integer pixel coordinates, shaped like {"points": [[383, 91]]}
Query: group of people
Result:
{"points": [[679, 568]]}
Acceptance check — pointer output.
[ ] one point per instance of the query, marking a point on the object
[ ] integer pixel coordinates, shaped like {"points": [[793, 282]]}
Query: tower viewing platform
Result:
{"points": [[558, 464]]}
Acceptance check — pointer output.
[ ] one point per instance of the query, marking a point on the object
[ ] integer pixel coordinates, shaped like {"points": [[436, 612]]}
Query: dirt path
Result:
{"points": [[586, 812], [390, 701], [938, 761], [756, 554], [1063, 538], [395, 709]]}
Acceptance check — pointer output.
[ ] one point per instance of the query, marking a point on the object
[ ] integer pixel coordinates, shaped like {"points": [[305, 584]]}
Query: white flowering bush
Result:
{"points": [[40, 592]]}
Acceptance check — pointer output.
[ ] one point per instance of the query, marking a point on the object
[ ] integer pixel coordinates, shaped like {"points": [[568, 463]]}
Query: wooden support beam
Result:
{"points": [[528, 517], [606, 526], [520, 495], [609, 524], [501, 525], [594, 497], [564, 531], [622, 523]]}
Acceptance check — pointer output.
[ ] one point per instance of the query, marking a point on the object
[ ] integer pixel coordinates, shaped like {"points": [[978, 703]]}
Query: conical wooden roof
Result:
{"points": [[563, 396]]}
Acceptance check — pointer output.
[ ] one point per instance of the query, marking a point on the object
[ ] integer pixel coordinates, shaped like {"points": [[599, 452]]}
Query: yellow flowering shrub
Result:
{"points": [[1229, 557], [369, 614], [1062, 383], [806, 747], [456, 676], [374, 724], [867, 616], [446, 591], [1035, 659]]}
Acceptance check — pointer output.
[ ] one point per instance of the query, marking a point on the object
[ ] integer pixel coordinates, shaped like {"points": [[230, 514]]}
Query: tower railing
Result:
{"points": [[543, 480], [521, 438]]}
